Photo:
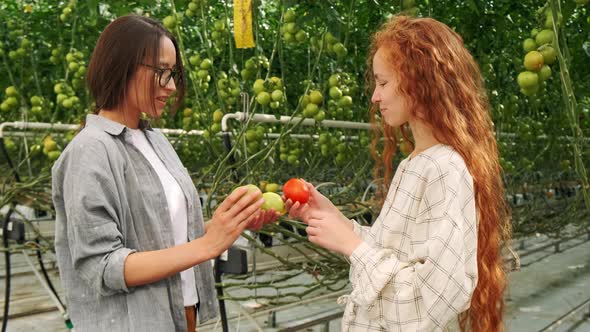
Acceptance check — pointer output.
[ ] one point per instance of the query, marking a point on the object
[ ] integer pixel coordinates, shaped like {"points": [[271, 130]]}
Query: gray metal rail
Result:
{"points": [[570, 318]]}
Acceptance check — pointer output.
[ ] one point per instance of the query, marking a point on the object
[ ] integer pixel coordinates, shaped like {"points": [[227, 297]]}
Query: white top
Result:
{"points": [[176, 207], [416, 268]]}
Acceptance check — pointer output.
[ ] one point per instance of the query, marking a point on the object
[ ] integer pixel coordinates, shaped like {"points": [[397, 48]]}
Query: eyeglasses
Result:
{"points": [[165, 74]]}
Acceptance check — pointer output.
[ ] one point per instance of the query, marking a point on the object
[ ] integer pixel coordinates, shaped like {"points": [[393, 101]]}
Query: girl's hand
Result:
{"points": [[328, 227], [335, 234], [317, 204], [262, 219], [231, 218]]}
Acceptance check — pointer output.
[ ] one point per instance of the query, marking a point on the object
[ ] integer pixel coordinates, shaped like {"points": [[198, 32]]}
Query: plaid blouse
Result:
{"points": [[416, 268]]}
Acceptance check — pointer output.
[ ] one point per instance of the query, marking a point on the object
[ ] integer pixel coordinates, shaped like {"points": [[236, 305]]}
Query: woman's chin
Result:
{"points": [[393, 122]]}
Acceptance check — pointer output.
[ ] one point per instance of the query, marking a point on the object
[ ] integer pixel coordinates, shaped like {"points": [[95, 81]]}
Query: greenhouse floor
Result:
{"points": [[547, 286]]}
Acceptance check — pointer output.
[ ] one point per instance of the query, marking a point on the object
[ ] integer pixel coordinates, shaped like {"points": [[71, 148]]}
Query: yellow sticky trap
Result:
{"points": [[243, 24]]}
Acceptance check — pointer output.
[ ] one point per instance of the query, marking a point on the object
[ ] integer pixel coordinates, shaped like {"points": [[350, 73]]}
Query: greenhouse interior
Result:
{"points": [[301, 144]]}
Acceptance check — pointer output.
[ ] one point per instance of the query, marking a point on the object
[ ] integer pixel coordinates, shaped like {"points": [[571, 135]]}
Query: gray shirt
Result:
{"points": [[109, 203]]}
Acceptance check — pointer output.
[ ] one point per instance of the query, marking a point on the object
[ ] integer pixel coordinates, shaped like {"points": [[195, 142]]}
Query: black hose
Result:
{"points": [[46, 275], [219, 288], [218, 272], [228, 148], [7, 254], [7, 264], [5, 240], [5, 152]]}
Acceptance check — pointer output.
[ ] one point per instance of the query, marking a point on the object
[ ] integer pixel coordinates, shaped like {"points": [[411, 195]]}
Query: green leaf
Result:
{"points": [[473, 6]]}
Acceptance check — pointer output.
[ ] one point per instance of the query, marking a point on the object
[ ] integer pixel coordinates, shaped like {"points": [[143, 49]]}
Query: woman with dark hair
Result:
{"points": [[132, 248], [431, 261]]}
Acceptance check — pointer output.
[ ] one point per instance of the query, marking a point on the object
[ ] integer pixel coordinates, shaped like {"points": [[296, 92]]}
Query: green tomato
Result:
{"points": [[544, 37], [11, 102], [334, 80], [529, 44], [277, 82], [73, 66], [528, 79], [544, 73], [289, 15], [316, 97], [335, 92], [217, 115], [258, 86], [310, 110], [169, 22], [195, 60], [345, 101], [291, 28], [251, 135], [187, 112], [263, 98], [340, 50], [251, 188], [320, 116], [277, 95], [53, 155], [58, 88], [549, 54], [329, 37], [301, 36], [67, 103], [219, 25], [251, 64], [215, 128], [288, 37], [206, 64], [272, 188], [273, 201], [11, 91], [37, 110]]}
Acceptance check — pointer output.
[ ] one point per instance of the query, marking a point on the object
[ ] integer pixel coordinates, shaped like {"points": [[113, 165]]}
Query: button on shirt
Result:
{"points": [[109, 202], [416, 268]]}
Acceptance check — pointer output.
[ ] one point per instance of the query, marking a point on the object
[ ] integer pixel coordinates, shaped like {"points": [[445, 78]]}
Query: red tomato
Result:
{"points": [[296, 190]]}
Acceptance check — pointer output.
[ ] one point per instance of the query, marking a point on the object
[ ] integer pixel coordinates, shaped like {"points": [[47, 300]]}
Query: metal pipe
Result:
{"points": [[238, 116], [269, 118], [556, 323], [552, 244]]}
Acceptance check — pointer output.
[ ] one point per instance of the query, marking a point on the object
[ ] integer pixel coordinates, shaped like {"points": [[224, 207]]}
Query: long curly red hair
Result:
{"points": [[444, 88]]}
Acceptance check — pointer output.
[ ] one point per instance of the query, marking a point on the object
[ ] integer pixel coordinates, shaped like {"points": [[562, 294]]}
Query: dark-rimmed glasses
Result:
{"points": [[165, 74]]}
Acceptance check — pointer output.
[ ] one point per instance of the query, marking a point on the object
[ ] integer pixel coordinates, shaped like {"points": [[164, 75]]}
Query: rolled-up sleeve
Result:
{"points": [[91, 205]]}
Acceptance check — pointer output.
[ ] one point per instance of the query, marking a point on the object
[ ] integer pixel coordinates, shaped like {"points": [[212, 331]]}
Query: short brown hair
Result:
{"points": [[121, 48]]}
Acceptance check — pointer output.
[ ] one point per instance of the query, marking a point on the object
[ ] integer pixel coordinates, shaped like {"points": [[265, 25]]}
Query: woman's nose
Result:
{"points": [[375, 98]]}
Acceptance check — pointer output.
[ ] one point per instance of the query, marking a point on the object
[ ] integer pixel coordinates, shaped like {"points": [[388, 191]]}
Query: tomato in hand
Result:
{"points": [[273, 201], [296, 191]]}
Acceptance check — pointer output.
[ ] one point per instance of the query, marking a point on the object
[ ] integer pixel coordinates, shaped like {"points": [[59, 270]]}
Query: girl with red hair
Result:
{"points": [[432, 259]]}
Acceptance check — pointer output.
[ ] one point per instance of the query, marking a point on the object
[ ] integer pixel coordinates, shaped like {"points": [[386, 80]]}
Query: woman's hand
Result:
{"points": [[239, 210], [317, 204], [328, 227], [333, 234], [263, 218]]}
